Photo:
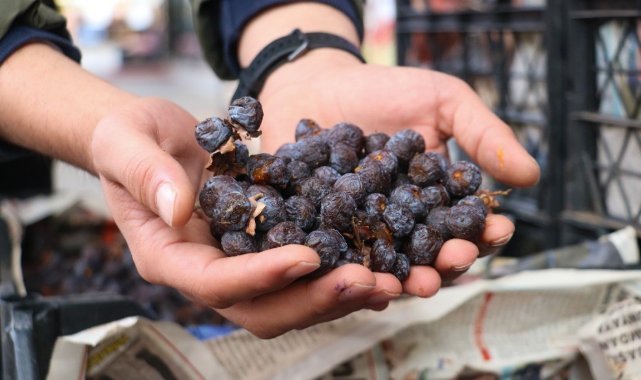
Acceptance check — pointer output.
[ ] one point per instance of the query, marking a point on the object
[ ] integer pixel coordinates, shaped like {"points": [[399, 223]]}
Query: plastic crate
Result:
{"points": [[511, 53]]}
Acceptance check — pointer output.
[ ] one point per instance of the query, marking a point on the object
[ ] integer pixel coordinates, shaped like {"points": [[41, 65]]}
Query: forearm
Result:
{"points": [[49, 104], [280, 21]]}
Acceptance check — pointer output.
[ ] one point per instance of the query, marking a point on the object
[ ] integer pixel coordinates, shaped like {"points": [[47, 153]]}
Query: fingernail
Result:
{"points": [[382, 296], [354, 291], [165, 201], [301, 268], [460, 268], [501, 241]]}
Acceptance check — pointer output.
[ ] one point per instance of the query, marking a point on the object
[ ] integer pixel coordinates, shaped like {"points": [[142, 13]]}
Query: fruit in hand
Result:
{"points": [[374, 200]]}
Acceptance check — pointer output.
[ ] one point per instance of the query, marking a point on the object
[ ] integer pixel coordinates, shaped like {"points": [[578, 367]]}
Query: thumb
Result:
{"points": [[129, 154]]}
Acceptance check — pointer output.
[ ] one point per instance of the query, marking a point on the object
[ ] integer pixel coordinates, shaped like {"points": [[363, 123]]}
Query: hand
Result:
{"points": [[389, 99], [149, 164]]}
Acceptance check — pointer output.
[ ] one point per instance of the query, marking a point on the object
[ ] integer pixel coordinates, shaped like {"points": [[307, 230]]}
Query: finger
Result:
{"points": [[127, 153], [499, 229], [423, 281], [338, 293], [455, 258], [489, 141]]}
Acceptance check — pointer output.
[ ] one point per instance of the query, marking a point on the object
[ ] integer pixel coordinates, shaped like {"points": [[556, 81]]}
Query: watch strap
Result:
{"points": [[283, 50]]}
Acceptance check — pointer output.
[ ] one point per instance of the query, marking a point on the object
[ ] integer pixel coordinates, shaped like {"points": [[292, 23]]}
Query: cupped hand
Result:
{"points": [[389, 99], [151, 169]]}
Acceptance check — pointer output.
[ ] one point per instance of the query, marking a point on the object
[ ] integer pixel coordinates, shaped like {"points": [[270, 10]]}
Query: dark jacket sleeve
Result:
{"points": [[218, 24]]}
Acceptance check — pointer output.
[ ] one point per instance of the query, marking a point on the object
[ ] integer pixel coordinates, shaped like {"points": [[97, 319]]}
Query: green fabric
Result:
{"points": [[206, 15], [33, 13]]}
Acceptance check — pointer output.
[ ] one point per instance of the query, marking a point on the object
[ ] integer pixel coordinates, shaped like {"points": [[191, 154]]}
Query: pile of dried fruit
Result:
{"points": [[376, 200]]}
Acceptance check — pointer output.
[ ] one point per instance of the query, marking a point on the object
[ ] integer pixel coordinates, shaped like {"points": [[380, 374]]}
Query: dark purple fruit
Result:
{"points": [[306, 128], [435, 196], [382, 256], [375, 141], [401, 268], [385, 158], [463, 178], [232, 211], [426, 169], [302, 212], [351, 184], [213, 188], [212, 133], [410, 196], [475, 201], [350, 256], [374, 178], [298, 171], [423, 245], [327, 174], [375, 204], [266, 169], [284, 233], [346, 133], [399, 219], [329, 244], [436, 218], [465, 222], [337, 211], [314, 189], [343, 158], [405, 144], [247, 112], [236, 243]]}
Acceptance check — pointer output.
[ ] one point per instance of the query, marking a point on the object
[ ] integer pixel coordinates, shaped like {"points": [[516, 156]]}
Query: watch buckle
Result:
{"points": [[302, 48]]}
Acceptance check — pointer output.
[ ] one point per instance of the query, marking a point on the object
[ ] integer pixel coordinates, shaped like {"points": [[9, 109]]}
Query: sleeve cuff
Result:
{"points": [[236, 13], [19, 36]]}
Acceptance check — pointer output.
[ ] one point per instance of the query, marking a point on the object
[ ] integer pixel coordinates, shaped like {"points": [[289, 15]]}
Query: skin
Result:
{"points": [[151, 168]]}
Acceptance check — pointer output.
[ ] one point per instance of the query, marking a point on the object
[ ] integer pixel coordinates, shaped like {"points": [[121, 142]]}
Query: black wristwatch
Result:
{"points": [[283, 50]]}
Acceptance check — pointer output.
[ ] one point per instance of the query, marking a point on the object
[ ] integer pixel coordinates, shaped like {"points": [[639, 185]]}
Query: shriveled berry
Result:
{"points": [[350, 256], [423, 245], [475, 201], [382, 256], [237, 243], [401, 179], [266, 169], [212, 133], [313, 188], [375, 204], [375, 141], [436, 218], [343, 158], [427, 169], [346, 133], [258, 191], [401, 268], [213, 188], [302, 212], [385, 158], [248, 113], [465, 222], [329, 244], [405, 144], [327, 174], [273, 213], [337, 211], [298, 170], [351, 184], [374, 178], [435, 196], [410, 196], [399, 219], [313, 151], [463, 178], [284, 233], [306, 128], [232, 211]]}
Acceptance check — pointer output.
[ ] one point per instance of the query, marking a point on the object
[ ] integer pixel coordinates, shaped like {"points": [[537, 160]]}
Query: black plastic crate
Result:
{"points": [[512, 56], [604, 159]]}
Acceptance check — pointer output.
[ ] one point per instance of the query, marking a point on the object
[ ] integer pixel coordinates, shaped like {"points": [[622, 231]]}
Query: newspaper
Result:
{"points": [[548, 317]]}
